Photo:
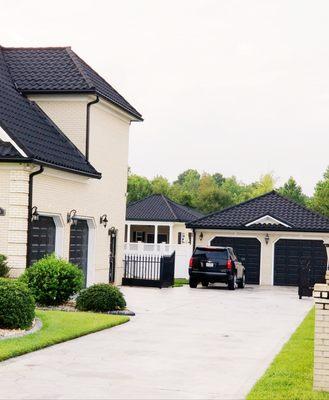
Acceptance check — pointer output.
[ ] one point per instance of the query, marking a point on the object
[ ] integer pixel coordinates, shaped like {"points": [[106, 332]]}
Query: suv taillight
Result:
{"points": [[229, 264], [192, 262]]}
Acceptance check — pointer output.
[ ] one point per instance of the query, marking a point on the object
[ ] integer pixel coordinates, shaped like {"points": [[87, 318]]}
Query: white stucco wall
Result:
{"points": [[267, 250], [57, 192]]}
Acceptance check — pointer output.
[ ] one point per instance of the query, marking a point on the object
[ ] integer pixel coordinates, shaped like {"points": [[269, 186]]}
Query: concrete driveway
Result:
{"points": [[183, 344]]}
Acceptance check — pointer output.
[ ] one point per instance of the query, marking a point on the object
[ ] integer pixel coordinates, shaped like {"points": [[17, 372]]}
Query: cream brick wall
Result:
{"points": [[267, 250], [321, 336], [57, 192]]}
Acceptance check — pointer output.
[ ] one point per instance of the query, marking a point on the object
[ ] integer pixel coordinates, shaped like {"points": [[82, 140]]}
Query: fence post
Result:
{"points": [[321, 336]]}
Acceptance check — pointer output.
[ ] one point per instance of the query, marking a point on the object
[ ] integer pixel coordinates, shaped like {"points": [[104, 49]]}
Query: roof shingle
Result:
{"points": [[299, 218], [34, 132], [158, 207]]}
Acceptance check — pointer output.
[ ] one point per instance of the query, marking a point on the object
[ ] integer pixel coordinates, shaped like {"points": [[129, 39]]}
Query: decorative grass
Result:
{"points": [[57, 327]]}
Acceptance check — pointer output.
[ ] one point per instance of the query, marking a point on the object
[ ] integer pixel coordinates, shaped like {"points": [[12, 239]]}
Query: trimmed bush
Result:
{"points": [[17, 306], [4, 269], [101, 298], [52, 280]]}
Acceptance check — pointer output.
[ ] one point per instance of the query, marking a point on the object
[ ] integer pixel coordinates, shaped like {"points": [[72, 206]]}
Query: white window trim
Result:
{"points": [[59, 232], [264, 217]]}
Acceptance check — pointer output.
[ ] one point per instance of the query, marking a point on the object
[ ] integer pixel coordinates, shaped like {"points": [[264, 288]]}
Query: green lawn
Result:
{"points": [[290, 376], [58, 326], [179, 282]]}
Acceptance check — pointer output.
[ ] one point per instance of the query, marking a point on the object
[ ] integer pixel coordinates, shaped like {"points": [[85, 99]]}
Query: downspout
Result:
{"points": [[88, 125], [193, 230], [29, 221]]}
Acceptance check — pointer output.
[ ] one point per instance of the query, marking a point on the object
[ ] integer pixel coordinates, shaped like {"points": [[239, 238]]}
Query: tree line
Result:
{"points": [[213, 192]]}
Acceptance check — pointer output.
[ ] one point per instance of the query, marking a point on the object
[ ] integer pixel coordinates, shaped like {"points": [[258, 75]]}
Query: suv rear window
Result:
{"points": [[215, 255]]}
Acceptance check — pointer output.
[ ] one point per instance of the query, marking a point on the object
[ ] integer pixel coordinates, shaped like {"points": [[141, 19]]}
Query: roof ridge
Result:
{"points": [[35, 48], [169, 206], [73, 56], [234, 205]]}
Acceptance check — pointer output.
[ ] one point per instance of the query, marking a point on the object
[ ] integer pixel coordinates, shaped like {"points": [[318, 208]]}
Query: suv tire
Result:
{"points": [[193, 283], [205, 283], [232, 282], [242, 282]]}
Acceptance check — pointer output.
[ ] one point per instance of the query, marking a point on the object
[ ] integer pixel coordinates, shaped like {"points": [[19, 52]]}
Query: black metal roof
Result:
{"points": [[58, 70], [35, 134], [7, 150], [296, 216], [158, 207]]}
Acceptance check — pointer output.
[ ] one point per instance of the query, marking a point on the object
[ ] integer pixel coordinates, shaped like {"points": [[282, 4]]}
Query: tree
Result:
{"points": [[293, 191], [320, 200], [265, 184], [138, 187], [210, 197], [218, 178], [160, 185]]}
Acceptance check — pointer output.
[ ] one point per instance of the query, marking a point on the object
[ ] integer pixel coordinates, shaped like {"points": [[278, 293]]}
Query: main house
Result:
{"points": [[63, 162], [273, 235]]}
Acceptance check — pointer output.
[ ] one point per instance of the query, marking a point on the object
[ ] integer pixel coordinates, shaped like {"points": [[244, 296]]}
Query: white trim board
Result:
{"points": [[267, 219], [6, 138]]}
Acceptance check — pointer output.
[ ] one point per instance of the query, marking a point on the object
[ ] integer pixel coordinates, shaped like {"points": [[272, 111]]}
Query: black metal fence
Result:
{"points": [[149, 270]]}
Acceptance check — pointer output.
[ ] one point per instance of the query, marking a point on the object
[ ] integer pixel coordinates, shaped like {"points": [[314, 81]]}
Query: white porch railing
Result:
{"points": [[183, 254]]}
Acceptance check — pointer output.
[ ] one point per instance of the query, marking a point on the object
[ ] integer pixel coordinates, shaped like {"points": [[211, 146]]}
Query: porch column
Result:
{"points": [[155, 234], [128, 233], [171, 234]]}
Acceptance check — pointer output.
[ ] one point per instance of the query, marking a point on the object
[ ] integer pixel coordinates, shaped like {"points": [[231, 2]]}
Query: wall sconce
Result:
{"points": [[267, 238], [103, 220], [71, 219], [34, 214], [201, 236]]}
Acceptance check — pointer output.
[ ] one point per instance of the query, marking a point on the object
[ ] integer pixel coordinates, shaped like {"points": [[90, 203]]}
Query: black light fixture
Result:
{"points": [[34, 214], [112, 231], [71, 219], [267, 238], [103, 220], [201, 236]]}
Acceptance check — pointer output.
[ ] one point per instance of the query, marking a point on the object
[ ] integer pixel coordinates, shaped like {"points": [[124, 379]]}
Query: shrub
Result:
{"points": [[17, 306], [100, 297], [4, 269], [52, 280]]}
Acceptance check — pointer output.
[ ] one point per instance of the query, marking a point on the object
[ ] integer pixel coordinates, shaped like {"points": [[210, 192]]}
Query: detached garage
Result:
{"points": [[272, 235]]}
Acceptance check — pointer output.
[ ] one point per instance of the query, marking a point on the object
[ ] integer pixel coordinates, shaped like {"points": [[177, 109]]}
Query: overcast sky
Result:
{"points": [[237, 87]]}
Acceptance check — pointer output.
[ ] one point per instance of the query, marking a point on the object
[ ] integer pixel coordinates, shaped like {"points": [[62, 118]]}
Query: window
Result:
{"points": [[179, 241], [190, 236]]}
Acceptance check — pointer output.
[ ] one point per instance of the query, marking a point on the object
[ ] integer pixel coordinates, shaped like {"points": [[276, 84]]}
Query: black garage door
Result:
{"points": [[248, 248], [43, 234], [79, 245], [290, 255]]}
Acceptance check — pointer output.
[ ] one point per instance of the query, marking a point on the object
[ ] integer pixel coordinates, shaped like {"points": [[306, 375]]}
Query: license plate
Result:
{"points": [[209, 264]]}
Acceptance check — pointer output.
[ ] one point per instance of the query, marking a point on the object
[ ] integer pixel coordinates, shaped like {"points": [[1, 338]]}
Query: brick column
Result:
{"points": [[321, 336]]}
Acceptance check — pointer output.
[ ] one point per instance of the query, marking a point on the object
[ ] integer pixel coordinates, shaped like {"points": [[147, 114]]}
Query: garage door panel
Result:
{"points": [[79, 233], [291, 254], [248, 248], [43, 232]]}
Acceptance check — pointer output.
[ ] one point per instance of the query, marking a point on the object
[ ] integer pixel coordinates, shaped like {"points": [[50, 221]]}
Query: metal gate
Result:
{"points": [[148, 270]]}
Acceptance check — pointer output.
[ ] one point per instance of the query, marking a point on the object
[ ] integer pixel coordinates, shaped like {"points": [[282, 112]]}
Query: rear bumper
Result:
{"points": [[222, 277]]}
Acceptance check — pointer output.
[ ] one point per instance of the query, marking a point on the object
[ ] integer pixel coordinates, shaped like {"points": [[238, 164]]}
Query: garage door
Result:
{"points": [[290, 255], [43, 234], [248, 248], [79, 245]]}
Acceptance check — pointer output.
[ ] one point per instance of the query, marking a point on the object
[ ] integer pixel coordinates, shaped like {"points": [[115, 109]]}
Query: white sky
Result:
{"points": [[238, 87]]}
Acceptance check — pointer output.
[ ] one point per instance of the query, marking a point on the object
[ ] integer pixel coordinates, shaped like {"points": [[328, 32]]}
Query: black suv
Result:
{"points": [[216, 264]]}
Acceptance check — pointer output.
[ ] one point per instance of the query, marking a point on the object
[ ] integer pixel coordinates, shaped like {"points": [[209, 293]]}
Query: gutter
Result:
{"points": [[29, 221], [88, 125]]}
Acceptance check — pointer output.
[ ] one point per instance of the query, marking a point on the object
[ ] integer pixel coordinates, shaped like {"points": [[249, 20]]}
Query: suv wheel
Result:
{"points": [[232, 282], [205, 283], [242, 282], [193, 283]]}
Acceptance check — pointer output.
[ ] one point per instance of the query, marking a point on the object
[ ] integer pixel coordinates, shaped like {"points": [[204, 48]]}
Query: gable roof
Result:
{"points": [[294, 216], [158, 207], [59, 70], [36, 135]]}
